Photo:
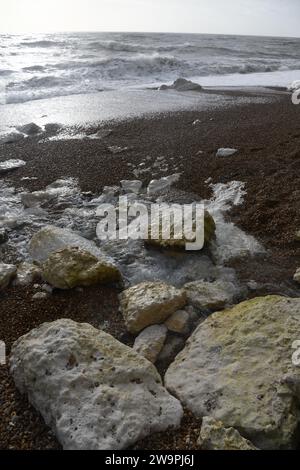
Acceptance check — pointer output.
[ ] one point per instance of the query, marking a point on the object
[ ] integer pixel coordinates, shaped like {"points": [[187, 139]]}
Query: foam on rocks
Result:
{"points": [[10, 165]]}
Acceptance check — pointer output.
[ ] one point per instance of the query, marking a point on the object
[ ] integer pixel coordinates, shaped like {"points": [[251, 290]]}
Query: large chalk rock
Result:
{"points": [[149, 303], [237, 367], [93, 391], [50, 239], [214, 436], [72, 267], [7, 273], [210, 295]]}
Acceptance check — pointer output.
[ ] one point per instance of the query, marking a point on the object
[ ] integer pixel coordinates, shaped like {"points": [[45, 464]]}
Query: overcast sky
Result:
{"points": [[261, 17]]}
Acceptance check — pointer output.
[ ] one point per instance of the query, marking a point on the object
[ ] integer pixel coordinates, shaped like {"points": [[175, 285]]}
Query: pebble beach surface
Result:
{"points": [[267, 139]]}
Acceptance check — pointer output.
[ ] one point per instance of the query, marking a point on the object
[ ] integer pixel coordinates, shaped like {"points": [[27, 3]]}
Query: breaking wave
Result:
{"points": [[42, 66]]}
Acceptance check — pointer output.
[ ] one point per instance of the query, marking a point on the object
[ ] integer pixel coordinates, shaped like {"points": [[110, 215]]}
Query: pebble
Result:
{"points": [[40, 296]]}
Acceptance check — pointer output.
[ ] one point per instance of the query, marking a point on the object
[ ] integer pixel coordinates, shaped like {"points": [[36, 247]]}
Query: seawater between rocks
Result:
{"points": [[63, 204]]}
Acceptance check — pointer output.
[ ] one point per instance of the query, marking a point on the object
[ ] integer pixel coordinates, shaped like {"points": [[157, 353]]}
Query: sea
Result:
{"points": [[39, 66]]}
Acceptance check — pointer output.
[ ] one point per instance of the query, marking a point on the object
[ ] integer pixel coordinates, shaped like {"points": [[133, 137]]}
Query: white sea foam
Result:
{"points": [[231, 241], [62, 204]]}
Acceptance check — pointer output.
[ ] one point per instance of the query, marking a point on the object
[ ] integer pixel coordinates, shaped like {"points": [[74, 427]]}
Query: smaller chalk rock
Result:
{"points": [[210, 295], [179, 322], [149, 303], [40, 296], [150, 341], [173, 345], [226, 152], [214, 436]]}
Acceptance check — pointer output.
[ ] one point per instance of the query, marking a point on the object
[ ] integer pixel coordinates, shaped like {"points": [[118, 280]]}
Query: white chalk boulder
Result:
{"points": [[94, 392], [237, 368]]}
